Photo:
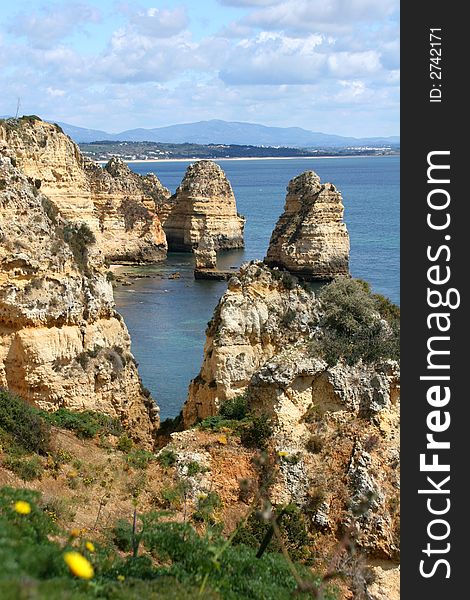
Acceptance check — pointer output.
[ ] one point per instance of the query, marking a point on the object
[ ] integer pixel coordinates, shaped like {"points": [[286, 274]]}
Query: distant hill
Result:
{"points": [[226, 132], [216, 131]]}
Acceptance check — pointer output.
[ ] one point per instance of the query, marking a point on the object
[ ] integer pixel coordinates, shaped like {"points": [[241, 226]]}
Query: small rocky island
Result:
{"points": [[204, 205], [310, 238]]}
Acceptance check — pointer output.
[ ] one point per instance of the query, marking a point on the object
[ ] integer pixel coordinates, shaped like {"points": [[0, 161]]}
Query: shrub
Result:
{"points": [[122, 535], [124, 443], [353, 326], [28, 469], [86, 423], [139, 459], [235, 409], [167, 458], [79, 237], [292, 527], [257, 433], [173, 496], [206, 506], [24, 424]]}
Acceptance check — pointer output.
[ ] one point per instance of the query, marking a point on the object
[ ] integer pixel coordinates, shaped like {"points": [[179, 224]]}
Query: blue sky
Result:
{"points": [[325, 65]]}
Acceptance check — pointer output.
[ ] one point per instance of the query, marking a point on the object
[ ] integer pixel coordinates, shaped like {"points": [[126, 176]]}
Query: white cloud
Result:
{"points": [[53, 22], [329, 65], [157, 22]]}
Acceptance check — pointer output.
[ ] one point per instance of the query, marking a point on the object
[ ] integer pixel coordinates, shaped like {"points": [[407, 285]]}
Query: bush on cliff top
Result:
{"points": [[357, 324]]}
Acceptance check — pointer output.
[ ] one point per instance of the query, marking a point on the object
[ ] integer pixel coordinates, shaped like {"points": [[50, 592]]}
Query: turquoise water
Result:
{"points": [[167, 317]]}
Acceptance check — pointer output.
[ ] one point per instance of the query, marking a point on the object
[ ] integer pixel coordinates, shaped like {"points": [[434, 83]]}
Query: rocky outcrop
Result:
{"points": [[310, 238], [205, 256], [119, 206], [337, 432], [204, 204], [261, 313], [335, 424], [62, 344], [126, 204]]}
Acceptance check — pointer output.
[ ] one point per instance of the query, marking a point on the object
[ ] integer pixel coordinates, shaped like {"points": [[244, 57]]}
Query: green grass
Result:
{"points": [[85, 424], [171, 561]]}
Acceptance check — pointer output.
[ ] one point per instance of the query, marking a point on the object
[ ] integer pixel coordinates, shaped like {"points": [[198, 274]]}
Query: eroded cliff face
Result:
{"points": [[336, 430], [310, 238], [61, 341], [119, 206], [262, 312], [335, 426], [204, 205]]}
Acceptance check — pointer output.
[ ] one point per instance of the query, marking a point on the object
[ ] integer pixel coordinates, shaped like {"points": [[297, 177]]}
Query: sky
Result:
{"points": [[324, 65]]}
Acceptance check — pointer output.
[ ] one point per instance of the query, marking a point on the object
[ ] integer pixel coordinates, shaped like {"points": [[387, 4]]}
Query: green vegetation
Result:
{"points": [[207, 505], [257, 433], [293, 529], [85, 424], [356, 324], [139, 459], [235, 409], [28, 468], [22, 425], [155, 560], [167, 458], [79, 237], [254, 430]]}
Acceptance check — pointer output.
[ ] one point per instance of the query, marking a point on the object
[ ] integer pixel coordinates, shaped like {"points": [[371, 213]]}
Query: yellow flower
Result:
{"points": [[121, 578], [79, 565], [75, 532], [222, 439], [22, 507], [283, 454], [90, 546]]}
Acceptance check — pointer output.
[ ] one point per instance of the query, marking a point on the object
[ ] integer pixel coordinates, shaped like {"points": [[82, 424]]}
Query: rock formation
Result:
{"points": [[310, 238], [62, 344], [338, 429], [204, 204], [205, 255], [335, 426], [262, 312], [119, 206]]}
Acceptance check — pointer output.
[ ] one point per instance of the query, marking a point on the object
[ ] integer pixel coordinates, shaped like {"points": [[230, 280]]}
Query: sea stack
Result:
{"points": [[62, 344], [310, 238], [204, 205], [120, 207]]}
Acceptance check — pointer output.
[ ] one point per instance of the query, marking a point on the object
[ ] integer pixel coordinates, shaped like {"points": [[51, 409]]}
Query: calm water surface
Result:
{"points": [[167, 317]]}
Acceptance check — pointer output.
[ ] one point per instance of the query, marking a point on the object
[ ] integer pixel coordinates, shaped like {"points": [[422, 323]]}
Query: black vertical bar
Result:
{"points": [[433, 120]]}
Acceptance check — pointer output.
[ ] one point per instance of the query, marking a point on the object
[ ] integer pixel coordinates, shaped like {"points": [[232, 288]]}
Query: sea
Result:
{"points": [[167, 314]]}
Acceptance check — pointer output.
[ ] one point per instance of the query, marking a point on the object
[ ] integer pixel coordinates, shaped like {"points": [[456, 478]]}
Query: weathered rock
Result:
{"points": [[119, 206], [341, 424], [261, 312], [62, 344], [205, 255], [204, 204], [335, 428], [310, 238]]}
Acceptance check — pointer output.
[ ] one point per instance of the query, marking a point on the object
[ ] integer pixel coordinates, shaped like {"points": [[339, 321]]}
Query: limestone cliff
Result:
{"points": [[335, 423], [119, 206], [61, 341], [310, 238], [204, 204], [261, 312], [337, 431]]}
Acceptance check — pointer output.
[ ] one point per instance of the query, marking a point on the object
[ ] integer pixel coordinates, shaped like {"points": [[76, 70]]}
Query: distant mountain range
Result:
{"points": [[228, 132]]}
